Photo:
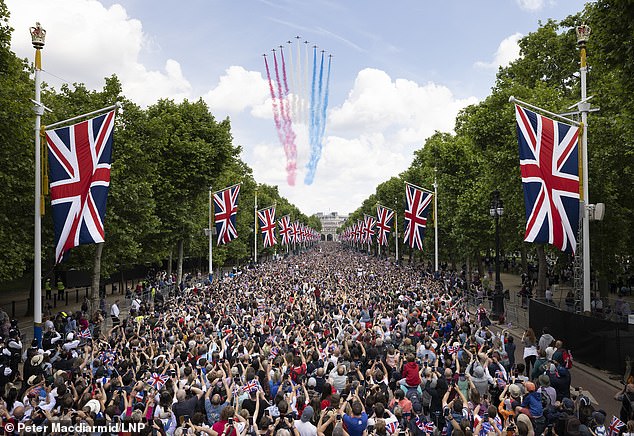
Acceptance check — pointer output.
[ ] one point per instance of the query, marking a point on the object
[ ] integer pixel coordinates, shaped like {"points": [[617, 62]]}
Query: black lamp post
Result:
{"points": [[496, 211]]}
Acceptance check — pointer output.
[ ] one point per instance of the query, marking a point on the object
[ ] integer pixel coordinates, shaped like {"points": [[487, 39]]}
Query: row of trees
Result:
{"points": [[482, 155], [165, 158]]}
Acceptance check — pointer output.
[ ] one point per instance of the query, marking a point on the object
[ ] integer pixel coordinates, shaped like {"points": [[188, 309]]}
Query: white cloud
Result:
{"points": [[507, 52], [86, 42], [531, 5], [237, 90]]}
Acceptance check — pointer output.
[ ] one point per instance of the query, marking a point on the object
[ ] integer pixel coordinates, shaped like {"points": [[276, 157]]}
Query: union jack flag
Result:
{"points": [[358, 236], [296, 234], [85, 334], [107, 357], [385, 218], [251, 386], [615, 426], [157, 381], [549, 163], [451, 349], [274, 352], [79, 160], [369, 222], [266, 219], [285, 229], [426, 427], [417, 202], [226, 208], [391, 427]]}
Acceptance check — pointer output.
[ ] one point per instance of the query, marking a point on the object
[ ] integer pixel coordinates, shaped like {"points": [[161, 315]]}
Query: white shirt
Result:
{"points": [[305, 428], [114, 310]]}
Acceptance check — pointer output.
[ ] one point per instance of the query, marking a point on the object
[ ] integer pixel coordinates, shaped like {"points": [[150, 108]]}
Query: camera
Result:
{"points": [[338, 417]]}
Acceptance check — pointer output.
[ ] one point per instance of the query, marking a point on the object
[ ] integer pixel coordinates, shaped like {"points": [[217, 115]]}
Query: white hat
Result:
{"points": [[94, 405], [7, 371], [37, 359], [70, 336]]}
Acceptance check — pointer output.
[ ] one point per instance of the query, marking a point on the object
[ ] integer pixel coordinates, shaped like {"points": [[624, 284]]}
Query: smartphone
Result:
{"points": [[338, 417], [231, 421]]}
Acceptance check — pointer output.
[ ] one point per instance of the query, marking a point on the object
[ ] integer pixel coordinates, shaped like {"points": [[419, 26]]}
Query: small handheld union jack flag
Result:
{"points": [[615, 426], [85, 334], [226, 208], [157, 381], [425, 427], [417, 201], [549, 163], [391, 427], [266, 220], [79, 160], [251, 386], [453, 349]]}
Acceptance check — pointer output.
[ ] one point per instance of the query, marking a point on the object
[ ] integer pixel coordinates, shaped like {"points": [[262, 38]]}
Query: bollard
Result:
{"points": [[28, 306], [66, 298], [13, 309], [54, 302], [76, 295]]}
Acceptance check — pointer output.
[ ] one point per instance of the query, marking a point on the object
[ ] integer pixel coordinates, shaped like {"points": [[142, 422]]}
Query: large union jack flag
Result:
{"points": [[385, 218], [549, 163], [79, 160], [266, 219], [369, 223], [226, 208], [285, 229], [417, 201]]}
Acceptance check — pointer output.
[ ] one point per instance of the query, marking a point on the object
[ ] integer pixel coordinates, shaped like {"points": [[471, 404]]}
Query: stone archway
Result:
{"points": [[329, 237], [323, 237]]}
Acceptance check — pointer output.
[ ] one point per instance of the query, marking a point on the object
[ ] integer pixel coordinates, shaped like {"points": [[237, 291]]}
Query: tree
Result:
{"points": [[16, 157]]}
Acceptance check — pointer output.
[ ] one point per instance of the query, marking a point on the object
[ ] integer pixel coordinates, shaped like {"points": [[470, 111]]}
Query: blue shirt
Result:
{"points": [[355, 425]]}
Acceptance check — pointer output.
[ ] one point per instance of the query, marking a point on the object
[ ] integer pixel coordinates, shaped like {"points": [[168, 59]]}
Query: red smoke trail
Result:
{"points": [[290, 161], [289, 134]]}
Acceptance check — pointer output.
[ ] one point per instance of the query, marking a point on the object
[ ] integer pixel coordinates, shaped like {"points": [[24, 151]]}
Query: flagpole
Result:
{"points": [[396, 234], [38, 35], [435, 222], [255, 227], [583, 32], [98, 111], [211, 263]]}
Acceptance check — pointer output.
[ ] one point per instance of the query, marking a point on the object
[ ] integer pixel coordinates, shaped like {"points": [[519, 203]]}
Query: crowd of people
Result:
{"points": [[328, 342]]}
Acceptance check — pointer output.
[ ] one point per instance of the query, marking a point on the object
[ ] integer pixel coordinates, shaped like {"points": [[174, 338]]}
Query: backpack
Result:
{"points": [[545, 400], [412, 395], [567, 359]]}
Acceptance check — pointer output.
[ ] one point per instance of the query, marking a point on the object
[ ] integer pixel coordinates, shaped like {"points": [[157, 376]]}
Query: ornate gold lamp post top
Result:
{"points": [[38, 35], [583, 34]]}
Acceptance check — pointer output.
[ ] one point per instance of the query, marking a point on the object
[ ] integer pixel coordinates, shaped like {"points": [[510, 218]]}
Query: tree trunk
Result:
{"points": [[169, 264], [542, 278], [524, 259], [179, 267], [96, 276]]}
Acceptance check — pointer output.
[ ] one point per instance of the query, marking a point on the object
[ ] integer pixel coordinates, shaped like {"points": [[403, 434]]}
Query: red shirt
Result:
{"points": [[410, 374]]}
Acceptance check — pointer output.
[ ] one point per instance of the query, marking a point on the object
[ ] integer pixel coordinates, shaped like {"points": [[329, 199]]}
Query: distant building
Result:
{"points": [[330, 222]]}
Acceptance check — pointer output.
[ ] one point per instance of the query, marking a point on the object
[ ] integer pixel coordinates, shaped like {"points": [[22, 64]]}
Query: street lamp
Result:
{"points": [[496, 211]]}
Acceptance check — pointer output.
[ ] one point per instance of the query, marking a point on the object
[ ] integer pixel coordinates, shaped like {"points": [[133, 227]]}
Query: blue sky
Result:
{"points": [[401, 70]]}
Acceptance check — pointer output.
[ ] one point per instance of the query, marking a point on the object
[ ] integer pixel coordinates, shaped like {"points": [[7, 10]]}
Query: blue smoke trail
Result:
{"points": [[317, 122], [313, 102], [324, 106]]}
